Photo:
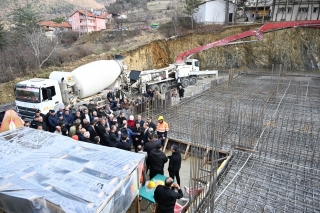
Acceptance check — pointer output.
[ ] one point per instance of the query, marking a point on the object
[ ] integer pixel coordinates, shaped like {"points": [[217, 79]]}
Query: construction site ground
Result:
{"points": [[269, 124]]}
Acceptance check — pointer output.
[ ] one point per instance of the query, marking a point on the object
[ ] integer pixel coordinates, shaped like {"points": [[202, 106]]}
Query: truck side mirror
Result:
{"points": [[49, 94]]}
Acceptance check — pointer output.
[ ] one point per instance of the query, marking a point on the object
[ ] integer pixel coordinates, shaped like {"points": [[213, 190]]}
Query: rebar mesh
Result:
{"points": [[272, 124]]}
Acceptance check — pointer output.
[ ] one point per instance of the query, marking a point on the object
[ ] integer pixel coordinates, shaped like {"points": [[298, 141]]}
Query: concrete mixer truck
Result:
{"points": [[78, 87], [92, 82]]}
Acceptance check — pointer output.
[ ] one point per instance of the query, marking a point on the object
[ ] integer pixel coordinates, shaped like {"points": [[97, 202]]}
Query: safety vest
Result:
{"points": [[162, 127]]}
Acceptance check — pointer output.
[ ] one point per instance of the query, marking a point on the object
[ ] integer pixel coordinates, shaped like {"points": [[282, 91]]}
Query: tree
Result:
{"points": [[226, 15], [114, 8], [42, 46], [191, 7], [2, 37], [58, 20], [29, 33], [26, 19]]}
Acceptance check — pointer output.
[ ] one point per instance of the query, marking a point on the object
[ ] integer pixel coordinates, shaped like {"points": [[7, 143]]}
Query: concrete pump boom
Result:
{"points": [[256, 32]]}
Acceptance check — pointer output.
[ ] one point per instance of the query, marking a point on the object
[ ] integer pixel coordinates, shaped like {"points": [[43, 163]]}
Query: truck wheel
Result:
{"points": [[185, 82], [163, 88], [193, 80], [155, 88]]}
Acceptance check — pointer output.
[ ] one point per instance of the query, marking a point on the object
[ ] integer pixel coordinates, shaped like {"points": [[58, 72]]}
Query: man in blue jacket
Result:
{"points": [[124, 130], [68, 118], [52, 121]]}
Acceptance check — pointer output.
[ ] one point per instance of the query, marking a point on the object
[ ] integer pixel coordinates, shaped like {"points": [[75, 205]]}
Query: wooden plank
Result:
{"points": [[179, 141], [138, 204], [246, 149], [186, 152], [200, 146], [205, 157], [165, 145]]}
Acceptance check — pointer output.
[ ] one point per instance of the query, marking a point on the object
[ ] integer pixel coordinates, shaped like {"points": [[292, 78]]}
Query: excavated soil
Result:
{"points": [[297, 49]]}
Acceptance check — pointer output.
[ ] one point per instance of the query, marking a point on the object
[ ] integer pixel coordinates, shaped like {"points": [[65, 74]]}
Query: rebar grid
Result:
{"points": [[265, 182], [276, 118], [283, 175]]}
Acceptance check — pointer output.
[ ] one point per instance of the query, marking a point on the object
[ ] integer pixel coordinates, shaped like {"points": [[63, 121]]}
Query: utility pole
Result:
{"points": [[87, 22], [175, 18]]}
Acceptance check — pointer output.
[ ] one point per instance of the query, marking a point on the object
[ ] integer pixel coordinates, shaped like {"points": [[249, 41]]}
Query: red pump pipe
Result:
{"points": [[258, 33]]}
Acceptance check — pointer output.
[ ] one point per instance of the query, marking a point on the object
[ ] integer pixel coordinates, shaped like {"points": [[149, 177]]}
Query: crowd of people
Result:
{"points": [[113, 126], [109, 126]]}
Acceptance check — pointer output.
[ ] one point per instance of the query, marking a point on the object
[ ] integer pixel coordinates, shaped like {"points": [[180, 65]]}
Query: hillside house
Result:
{"points": [[254, 13], [296, 11], [213, 12], [86, 22], [52, 28]]}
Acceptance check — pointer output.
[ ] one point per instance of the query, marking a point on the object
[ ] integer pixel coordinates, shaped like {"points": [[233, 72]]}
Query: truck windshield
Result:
{"points": [[27, 94]]}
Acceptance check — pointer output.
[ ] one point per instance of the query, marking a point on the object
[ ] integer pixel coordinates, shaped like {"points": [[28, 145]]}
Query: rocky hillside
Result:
{"points": [[298, 49], [51, 8]]}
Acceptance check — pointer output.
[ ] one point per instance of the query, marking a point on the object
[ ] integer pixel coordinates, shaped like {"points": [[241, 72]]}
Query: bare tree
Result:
{"points": [[226, 17], [42, 47]]}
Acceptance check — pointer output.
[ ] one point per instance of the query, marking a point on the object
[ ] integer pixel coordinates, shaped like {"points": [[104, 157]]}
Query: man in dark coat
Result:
{"points": [[101, 127], [110, 95], [145, 133], [174, 163], [91, 106], [77, 116], [105, 137], [152, 143], [34, 122], [68, 117], [151, 124], [181, 92], [139, 120], [42, 123], [165, 197], [123, 143], [136, 140], [92, 130], [114, 137], [120, 94], [52, 121], [121, 118], [87, 137], [156, 161]]}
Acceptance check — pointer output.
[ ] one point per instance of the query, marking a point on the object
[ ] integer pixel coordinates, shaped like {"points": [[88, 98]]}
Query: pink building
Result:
{"points": [[86, 22]]}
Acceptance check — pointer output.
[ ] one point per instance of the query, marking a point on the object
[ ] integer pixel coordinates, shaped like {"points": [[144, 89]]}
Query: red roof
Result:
{"points": [[89, 14], [54, 24]]}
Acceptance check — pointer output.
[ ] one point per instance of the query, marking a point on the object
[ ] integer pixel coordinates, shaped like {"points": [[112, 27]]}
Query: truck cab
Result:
{"points": [[36, 93], [184, 70]]}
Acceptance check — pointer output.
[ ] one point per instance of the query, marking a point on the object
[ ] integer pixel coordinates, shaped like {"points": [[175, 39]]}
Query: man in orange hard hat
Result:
{"points": [[162, 129]]}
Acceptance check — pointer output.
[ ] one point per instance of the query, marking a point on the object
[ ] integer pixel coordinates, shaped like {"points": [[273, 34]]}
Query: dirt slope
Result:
{"points": [[298, 49]]}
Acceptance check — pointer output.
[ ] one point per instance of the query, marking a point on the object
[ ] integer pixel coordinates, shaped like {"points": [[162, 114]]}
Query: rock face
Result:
{"points": [[297, 49]]}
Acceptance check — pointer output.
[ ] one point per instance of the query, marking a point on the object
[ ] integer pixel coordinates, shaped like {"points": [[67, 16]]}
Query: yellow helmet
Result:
{"points": [[151, 184], [160, 118]]}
